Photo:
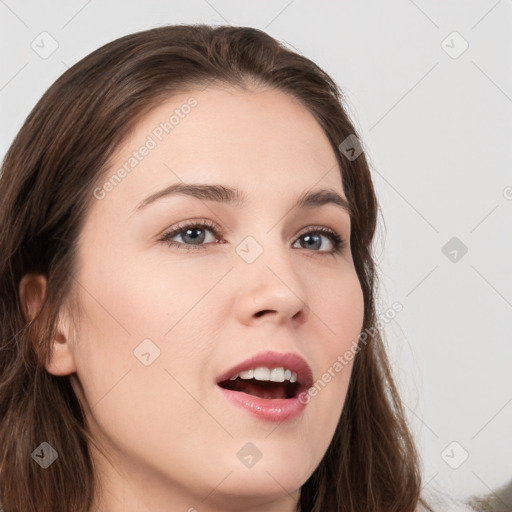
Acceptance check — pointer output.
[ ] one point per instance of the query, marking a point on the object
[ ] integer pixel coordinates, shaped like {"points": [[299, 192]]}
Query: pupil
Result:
{"points": [[195, 239], [317, 242]]}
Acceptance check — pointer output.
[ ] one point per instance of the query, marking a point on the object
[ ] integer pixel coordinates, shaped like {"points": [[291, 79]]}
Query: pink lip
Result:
{"points": [[270, 409]]}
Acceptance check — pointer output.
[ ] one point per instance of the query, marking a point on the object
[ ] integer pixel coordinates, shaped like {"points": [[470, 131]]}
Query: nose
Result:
{"points": [[270, 288]]}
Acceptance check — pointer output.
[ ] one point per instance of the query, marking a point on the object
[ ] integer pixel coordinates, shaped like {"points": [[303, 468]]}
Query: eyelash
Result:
{"points": [[337, 241]]}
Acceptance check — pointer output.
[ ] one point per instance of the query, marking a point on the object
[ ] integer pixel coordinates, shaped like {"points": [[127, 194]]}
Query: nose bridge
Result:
{"points": [[268, 280]]}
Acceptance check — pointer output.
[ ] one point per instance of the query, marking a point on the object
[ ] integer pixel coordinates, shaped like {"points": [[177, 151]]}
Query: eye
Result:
{"points": [[192, 235], [313, 239]]}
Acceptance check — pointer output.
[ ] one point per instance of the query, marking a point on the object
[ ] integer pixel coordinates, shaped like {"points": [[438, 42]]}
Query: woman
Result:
{"points": [[187, 308]]}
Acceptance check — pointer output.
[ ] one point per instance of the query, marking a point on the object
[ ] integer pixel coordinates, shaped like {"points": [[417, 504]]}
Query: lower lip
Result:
{"points": [[277, 410]]}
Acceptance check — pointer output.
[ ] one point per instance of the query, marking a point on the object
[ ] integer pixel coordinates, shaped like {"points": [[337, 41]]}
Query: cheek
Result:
{"points": [[144, 297], [133, 336], [340, 317], [159, 295], [340, 311], [135, 313]]}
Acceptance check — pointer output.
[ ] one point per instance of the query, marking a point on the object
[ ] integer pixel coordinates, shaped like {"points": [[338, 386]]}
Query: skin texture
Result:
{"points": [[170, 436]]}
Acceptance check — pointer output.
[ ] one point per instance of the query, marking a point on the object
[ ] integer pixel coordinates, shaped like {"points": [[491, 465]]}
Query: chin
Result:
{"points": [[243, 489], [273, 476]]}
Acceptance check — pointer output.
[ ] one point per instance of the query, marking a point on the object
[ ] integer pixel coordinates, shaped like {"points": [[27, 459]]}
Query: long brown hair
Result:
{"points": [[46, 186]]}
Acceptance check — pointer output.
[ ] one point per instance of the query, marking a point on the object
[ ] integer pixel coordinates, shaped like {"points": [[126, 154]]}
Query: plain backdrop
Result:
{"points": [[429, 87]]}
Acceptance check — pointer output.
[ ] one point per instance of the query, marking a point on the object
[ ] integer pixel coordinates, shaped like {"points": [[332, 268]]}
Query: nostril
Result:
{"points": [[259, 313]]}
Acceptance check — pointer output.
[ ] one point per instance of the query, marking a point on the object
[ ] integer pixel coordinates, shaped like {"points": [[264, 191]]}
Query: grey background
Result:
{"points": [[437, 129]]}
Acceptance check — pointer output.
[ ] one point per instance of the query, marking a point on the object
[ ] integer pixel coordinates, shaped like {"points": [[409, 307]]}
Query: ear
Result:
{"points": [[32, 291]]}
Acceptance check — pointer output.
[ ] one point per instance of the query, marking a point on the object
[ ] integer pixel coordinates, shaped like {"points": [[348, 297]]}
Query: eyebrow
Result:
{"points": [[233, 196]]}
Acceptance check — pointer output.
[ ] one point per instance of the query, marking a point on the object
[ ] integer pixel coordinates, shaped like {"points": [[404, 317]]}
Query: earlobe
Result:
{"points": [[32, 292]]}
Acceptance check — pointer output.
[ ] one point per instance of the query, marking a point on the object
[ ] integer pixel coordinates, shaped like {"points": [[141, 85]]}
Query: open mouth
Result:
{"points": [[268, 385], [269, 382], [262, 388]]}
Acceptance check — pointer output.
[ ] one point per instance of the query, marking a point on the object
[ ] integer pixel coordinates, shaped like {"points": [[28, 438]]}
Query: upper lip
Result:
{"points": [[270, 359]]}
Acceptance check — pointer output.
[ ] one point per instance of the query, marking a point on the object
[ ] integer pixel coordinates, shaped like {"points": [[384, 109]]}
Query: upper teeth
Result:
{"points": [[264, 373]]}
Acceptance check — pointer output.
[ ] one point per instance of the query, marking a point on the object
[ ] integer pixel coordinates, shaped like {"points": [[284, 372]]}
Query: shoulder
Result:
{"points": [[446, 504]]}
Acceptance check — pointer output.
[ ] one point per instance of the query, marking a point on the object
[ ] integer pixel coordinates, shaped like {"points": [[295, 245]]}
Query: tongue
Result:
{"points": [[262, 389]]}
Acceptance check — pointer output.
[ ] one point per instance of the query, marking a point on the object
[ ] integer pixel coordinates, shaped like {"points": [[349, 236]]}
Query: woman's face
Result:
{"points": [[169, 311]]}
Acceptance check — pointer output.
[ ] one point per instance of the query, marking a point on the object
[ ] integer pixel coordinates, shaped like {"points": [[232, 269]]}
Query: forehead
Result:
{"points": [[262, 141]]}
